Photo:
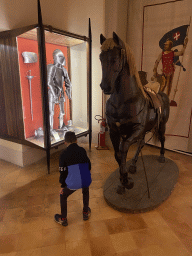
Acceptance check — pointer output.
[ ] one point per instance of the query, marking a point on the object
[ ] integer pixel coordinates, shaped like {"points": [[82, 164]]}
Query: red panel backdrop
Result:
{"points": [[26, 45]]}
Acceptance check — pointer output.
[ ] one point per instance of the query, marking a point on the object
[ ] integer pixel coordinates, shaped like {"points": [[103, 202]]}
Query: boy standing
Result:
{"points": [[74, 167]]}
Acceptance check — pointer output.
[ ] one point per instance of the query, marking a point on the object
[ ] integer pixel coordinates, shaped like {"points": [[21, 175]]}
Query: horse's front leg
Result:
{"points": [[132, 167], [126, 181]]}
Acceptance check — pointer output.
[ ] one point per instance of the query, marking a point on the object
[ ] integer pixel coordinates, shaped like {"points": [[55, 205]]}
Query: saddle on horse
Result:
{"points": [[155, 101]]}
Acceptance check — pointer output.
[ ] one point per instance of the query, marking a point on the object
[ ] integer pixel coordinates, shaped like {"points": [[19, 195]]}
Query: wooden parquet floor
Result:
{"points": [[29, 198]]}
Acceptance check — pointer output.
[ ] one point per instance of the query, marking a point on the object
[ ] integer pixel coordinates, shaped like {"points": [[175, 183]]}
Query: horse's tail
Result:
{"points": [[156, 129], [159, 129], [156, 134]]}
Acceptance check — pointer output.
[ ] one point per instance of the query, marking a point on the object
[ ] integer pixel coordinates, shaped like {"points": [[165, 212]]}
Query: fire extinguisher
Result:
{"points": [[101, 134]]}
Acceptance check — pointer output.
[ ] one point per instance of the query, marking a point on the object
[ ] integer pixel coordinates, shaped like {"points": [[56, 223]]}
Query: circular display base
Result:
{"points": [[162, 178]]}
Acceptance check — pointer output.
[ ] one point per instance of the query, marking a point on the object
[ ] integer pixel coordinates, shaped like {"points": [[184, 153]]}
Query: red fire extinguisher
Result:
{"points": [[101, 134]]}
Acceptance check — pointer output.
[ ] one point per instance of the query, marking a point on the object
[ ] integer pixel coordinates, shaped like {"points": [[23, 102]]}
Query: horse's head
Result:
{"points": [[112, 59]]}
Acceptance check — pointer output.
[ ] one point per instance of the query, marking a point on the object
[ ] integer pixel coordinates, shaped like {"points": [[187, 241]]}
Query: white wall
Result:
{"points": [[115, 21], [116, 18]]}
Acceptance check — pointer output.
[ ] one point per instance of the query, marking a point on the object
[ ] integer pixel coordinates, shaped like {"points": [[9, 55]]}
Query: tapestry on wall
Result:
{"points": [[167, 61]]}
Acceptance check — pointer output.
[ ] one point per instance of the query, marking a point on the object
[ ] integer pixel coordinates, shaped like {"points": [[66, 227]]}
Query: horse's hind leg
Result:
{"points": [[132, 167], [162, 140], [115, 139], [126, 181]]}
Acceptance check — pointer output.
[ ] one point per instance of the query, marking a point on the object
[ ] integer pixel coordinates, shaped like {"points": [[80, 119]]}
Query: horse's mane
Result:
{"points": [[110, 44]]}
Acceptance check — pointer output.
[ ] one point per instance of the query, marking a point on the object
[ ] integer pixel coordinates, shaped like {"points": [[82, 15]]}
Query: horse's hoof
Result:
{"points": [[132, 169], [129, 184], [161, 159], [120, 190]]}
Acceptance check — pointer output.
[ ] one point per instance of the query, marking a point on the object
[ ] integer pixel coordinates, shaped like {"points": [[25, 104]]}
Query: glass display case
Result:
{"points": [[44, 94], [66, 112]]}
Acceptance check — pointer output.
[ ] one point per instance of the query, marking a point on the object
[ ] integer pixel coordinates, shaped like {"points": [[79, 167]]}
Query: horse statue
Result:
{"points": [[130, 112]]}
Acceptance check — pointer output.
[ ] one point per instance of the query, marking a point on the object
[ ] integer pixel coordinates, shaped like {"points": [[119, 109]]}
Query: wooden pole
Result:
{"points": [[90, 85], [43, 75]]}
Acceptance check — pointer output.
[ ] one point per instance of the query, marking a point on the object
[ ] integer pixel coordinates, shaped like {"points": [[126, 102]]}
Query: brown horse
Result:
{"points": [[130, 115]]}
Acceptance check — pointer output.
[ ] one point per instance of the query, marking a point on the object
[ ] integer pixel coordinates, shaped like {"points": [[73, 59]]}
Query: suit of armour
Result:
{"points": [[57, 75]]}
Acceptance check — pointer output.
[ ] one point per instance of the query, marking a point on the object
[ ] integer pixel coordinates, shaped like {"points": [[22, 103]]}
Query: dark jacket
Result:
{"points": [[74, 167]]}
